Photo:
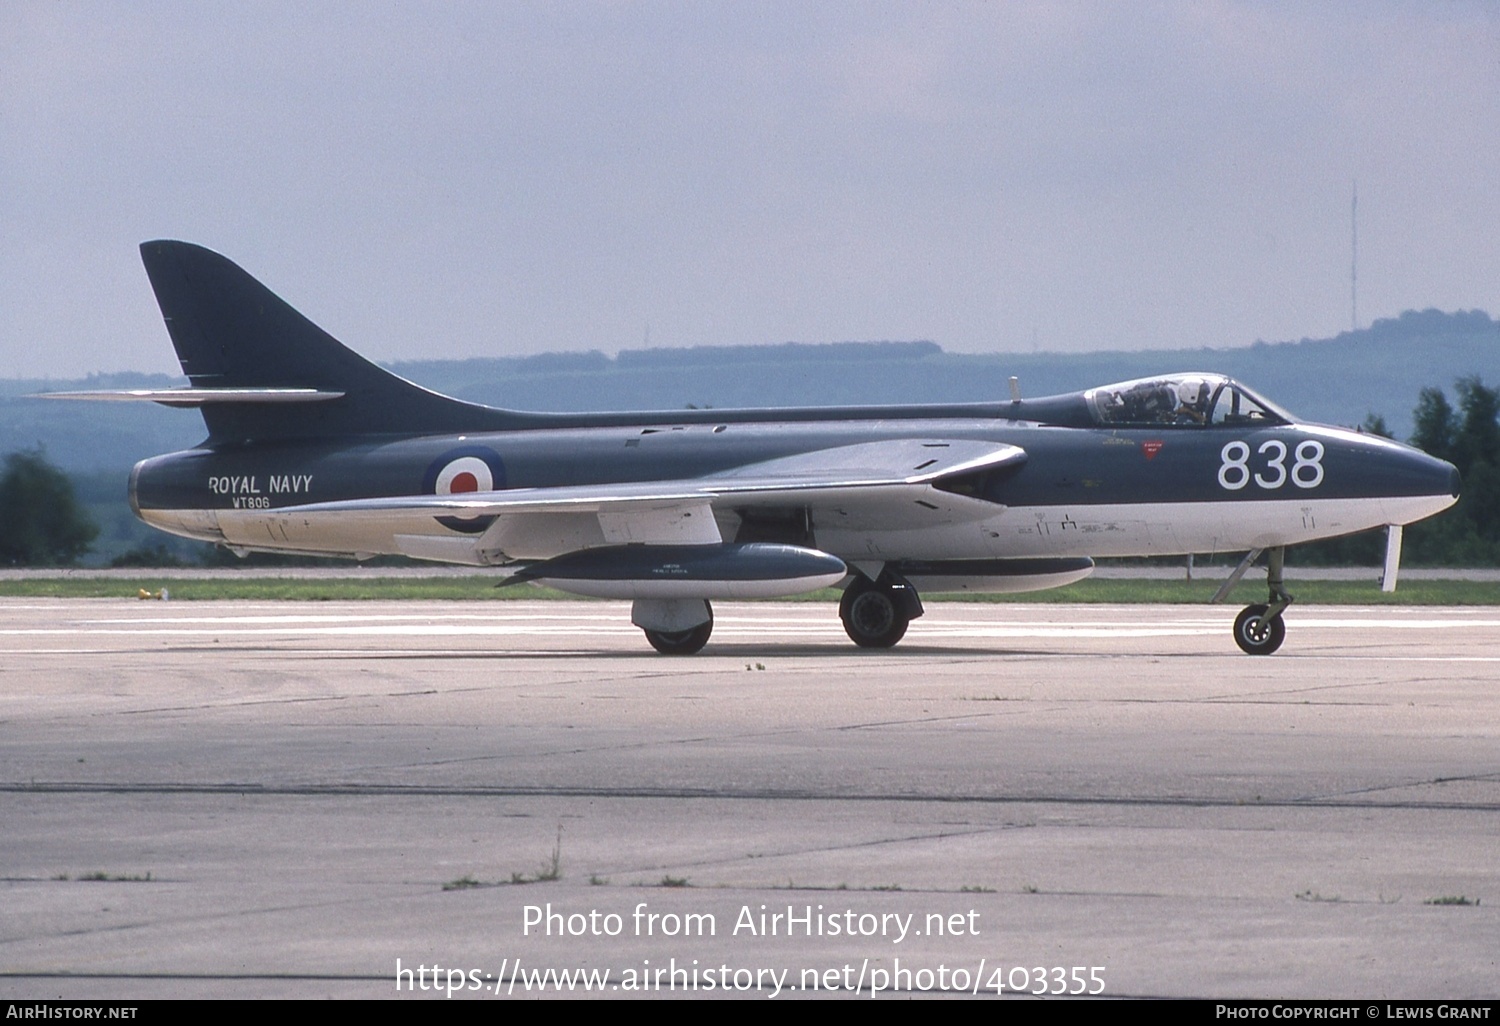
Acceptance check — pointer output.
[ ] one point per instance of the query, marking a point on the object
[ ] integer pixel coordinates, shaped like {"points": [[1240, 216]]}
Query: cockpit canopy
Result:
{"points": [[1181, 400]]}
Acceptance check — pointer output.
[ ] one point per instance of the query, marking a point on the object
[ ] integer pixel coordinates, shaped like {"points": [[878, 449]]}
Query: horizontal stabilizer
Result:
{"points": [[200, 396]]}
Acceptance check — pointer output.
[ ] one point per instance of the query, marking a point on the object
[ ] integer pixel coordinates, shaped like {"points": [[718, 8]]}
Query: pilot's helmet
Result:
{"points": [[1190, 391]]}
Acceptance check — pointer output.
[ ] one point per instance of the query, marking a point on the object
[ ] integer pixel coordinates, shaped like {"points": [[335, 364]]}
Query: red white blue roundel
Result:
{"points": [[470, 468], [460, 471], [465, 474]]}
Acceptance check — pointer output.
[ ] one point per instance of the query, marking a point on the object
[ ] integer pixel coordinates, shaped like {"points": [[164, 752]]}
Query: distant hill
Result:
{"points": [[1340, 380], [1379, 369]]}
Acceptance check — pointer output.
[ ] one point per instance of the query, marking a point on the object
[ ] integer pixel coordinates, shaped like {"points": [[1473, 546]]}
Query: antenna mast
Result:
{"points": [[1354, 258]]}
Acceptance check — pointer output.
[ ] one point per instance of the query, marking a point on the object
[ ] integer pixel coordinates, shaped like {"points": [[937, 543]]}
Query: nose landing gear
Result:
{"points": [[1258, 633], [1259, 629]]}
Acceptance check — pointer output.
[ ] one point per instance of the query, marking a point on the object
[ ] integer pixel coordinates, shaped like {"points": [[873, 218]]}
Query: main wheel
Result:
{"points": [[870, 616], [1256, 634], [685, 642]]}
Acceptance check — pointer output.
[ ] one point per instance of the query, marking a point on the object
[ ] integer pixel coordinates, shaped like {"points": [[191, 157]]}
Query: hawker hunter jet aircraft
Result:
{"points": [[312, 449]]}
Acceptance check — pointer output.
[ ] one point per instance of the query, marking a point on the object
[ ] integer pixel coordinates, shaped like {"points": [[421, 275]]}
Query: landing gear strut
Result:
{"points": [[877, 613], [1259, 629]]}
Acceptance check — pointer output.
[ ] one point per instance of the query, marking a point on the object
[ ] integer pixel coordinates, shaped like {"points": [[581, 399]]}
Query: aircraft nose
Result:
{"points": [[1439, 477], [1430, 484], [1412, 484], [1436, 477], [1437, 480]]}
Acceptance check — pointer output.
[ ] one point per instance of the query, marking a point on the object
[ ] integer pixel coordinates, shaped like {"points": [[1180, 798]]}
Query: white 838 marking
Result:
{"points": [[1277, 463], [1309, 456], [1306, 472], [1236, 466]]}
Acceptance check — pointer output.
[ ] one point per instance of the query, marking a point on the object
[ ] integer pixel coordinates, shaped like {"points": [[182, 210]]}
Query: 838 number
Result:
{"points": [[1306, 470]]}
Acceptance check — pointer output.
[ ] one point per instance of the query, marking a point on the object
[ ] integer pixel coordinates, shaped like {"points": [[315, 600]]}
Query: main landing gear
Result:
{"points": [[1259, 629], [686, 641], [877, 613]]}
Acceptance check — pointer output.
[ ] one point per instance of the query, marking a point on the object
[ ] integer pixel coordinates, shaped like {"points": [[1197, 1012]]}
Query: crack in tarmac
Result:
{"points": [[373, 790]]}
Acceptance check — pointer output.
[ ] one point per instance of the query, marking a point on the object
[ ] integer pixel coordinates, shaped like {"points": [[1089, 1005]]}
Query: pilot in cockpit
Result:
{"points": [[1192, 401]]}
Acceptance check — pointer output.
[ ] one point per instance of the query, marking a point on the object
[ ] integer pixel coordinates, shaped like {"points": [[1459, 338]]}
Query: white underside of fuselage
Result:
{"points": [[1136, 529]]}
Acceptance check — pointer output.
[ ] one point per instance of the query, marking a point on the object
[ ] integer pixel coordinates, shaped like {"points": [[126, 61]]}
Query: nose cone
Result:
{"points": [[1429, 475], [1419, 485], [1395, 482]]}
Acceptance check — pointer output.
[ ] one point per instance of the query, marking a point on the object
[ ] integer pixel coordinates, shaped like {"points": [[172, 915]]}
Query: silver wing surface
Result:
{"points": [[890, 485]]}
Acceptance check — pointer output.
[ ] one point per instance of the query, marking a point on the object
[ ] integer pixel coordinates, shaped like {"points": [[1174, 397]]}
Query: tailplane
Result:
{"points": [[260, 370]]}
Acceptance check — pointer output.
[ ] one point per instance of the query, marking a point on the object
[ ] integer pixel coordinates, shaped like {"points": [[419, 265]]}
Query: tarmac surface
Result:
{"points": [[295, 799]]}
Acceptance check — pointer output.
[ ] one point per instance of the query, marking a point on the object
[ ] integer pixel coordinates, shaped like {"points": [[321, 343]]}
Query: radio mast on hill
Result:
{"points": [[1354, 258]]}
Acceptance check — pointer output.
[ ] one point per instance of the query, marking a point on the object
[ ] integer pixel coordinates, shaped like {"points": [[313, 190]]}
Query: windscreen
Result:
{"points": [[1181, 401]]}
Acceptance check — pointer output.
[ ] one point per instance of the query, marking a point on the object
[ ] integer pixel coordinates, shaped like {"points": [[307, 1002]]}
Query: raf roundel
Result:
{"points": [[471, 468], [460, 472], [465, 474]]}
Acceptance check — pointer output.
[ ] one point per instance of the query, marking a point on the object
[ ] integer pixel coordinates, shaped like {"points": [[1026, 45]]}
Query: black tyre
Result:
{"points": [[1256, 634], [680, 642], [688, 642], [870, 616]]}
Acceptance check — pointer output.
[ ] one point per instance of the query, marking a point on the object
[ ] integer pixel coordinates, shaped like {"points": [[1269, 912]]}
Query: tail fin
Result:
{"points": [[230, 331]]}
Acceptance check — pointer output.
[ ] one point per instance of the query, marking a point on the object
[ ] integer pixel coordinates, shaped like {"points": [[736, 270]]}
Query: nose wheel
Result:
{"points": [[1256, 633], [1259, 629]]}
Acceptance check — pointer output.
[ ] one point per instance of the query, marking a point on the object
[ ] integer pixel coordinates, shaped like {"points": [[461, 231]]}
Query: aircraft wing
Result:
{"points": [[884, 485], [900, 461]]}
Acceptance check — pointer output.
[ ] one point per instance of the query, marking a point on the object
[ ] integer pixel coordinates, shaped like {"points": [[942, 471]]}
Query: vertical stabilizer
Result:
{"points": [[230, 331]]}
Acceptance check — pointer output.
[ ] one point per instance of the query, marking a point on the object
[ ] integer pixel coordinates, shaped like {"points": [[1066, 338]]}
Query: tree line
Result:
{"points": [[41, 520], [1469, 438]]}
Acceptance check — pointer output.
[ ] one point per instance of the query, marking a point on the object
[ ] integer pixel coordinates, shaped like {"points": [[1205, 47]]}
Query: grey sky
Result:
{"points": [[450, 180]]}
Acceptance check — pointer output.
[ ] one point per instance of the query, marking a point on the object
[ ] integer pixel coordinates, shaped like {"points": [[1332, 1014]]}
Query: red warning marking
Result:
{"points": [[464, 482], [1150, 448]]}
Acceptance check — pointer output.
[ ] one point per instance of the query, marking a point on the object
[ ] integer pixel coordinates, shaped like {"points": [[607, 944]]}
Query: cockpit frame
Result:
{"points": [[1186, 400]]}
